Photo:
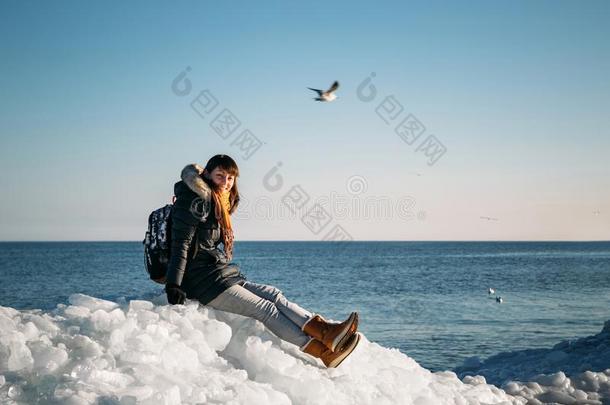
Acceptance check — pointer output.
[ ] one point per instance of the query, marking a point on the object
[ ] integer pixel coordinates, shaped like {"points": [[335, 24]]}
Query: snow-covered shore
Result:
{"points": [[571, 372], [93, 351]]}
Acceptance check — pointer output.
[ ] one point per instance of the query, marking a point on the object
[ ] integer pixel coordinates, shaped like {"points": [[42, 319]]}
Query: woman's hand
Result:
{"points": [[174, 294]]}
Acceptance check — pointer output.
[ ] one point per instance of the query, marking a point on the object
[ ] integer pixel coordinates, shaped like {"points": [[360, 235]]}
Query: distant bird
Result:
{"points": [[491, 291], [489, 218], [499, 300], [596, 212], [328, 95]]}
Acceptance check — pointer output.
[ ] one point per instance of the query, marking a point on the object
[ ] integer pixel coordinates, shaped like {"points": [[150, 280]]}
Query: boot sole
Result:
{"points": [[348, 349], [341, 339]]}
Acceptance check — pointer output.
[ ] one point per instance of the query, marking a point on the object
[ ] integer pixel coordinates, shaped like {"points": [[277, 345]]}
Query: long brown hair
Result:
{"points": [[228, 164]]}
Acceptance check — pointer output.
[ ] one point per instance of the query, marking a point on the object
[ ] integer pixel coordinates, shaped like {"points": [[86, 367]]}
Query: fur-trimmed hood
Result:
{"points": [[191, 176]]}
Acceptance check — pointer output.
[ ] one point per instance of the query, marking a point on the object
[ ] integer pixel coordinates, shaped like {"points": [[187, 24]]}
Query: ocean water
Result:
{"points": [[427, 299]]}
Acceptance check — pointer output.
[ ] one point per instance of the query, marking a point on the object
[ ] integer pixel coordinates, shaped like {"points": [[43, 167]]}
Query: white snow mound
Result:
{"points": [[94, 351]]}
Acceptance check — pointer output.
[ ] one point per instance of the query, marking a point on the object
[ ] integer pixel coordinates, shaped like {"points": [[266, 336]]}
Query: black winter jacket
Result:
{"points": [[196, 263]]}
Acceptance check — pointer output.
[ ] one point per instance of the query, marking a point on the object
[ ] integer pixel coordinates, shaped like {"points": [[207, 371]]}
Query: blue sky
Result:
{"points": [[93, 138]]}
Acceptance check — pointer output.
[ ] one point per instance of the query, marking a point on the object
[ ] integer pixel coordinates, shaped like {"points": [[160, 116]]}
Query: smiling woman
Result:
{"points": [[199, 269]]}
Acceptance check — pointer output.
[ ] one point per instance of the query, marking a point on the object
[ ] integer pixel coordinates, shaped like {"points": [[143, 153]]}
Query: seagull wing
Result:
{"points": [[334, 87], [317, 91]]}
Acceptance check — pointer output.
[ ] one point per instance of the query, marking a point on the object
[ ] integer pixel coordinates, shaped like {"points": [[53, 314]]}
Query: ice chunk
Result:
{"points": [[145, 317], [29, 330], [557, 397], [476, 380], [139, 392], [48, 358], [82, 346], [74, 311], [6, 323], [136, 305], [260, 395], [117, 339], [8, 312], [20, 356], [557, 379], [168, 397], [101, 320], [92, 303], [587, 381], [44, 323], [140, 357], [114, 379], [218, 334]]}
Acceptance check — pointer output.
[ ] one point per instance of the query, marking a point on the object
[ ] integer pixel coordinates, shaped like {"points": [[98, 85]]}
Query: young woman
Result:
{"points": [[199, 269]]}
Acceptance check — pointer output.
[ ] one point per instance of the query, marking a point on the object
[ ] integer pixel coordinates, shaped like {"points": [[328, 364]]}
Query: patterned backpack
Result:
{"points": [[157, 243]]}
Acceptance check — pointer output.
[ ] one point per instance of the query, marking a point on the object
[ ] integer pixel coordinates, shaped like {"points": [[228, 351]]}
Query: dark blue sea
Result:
{"points": [[428, 299]]}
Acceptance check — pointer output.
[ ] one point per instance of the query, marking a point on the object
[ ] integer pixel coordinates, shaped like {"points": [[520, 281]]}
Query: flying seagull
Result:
{"points": [[328, 95], [489, 218]]}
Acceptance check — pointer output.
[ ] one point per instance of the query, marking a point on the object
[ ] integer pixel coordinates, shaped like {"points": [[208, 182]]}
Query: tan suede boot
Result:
{"points": [[331, 359], [332, 335]]}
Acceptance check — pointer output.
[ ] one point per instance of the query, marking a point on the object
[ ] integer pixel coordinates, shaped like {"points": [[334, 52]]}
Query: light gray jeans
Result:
{"points": [[267, 304]]}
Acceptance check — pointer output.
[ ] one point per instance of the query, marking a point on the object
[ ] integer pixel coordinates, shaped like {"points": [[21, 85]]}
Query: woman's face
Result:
{"points": [[223, 180]]}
